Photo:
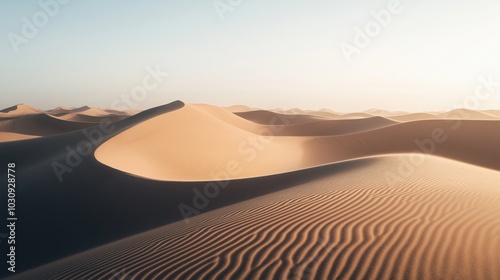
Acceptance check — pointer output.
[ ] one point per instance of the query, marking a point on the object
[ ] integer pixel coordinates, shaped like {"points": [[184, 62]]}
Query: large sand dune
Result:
{"points": [[302, 195], [442, 223], [283, 146]]}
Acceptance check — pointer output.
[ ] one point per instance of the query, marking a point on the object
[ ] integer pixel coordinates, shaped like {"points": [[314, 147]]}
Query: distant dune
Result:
{"points": [[413, 117], [238, 108], [493, 112], [22, 121], [295, 194], [468, 114], [265, 117], [18, 110]]}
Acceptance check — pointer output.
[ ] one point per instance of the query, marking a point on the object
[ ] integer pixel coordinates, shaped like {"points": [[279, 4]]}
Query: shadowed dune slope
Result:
{"points": [[87, 206], [440, 223]]}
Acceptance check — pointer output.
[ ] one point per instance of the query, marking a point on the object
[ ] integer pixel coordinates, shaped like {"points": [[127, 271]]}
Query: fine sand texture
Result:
{"points": [[195, 191], [441, 224]]}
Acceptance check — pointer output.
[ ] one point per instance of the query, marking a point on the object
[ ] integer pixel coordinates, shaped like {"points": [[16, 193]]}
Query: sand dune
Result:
{"points": [[265, 117], [238, 108], [260, 150], [357, 115], [79, 117], [303, 125], [384, 113], [146, 151], [41, 125], [309, 196], [325, 114], [493, 112], [64, 110], [86, 111], [24, 122], [469, 141], [18, 110], [468, 114], [442, 223], [413, 117]]}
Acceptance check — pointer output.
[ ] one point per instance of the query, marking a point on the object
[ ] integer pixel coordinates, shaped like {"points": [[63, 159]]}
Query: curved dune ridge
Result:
{"points": [[440, 223], [218, 140], [166, 147]]}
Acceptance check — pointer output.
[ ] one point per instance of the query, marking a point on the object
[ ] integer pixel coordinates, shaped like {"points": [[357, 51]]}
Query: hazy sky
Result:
{"points": [[429, 56]]}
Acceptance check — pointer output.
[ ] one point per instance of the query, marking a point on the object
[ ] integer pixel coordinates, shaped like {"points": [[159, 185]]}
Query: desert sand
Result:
{"points": [[295, 194]]}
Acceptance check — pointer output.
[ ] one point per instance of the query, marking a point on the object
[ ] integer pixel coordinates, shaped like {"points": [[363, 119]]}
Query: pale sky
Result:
{"points": [[429, 56]]}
